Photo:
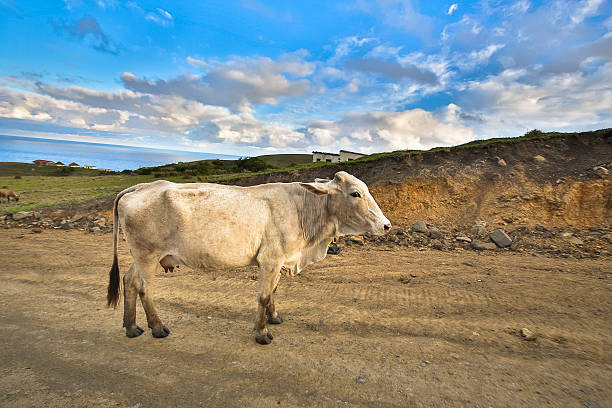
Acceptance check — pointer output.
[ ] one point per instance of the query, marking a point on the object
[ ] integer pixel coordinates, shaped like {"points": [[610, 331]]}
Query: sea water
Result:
{"points": [[105, 156]]}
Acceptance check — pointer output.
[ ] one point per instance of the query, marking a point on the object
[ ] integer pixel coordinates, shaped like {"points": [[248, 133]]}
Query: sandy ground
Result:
{"points": [[370, 327]]}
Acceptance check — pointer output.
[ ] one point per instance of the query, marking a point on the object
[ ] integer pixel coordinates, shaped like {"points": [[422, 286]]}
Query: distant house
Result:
{"points": [[106, 170], [344, 155], [44, 163], [73, 164], [90, 167], [59, 164], [325, 157]]}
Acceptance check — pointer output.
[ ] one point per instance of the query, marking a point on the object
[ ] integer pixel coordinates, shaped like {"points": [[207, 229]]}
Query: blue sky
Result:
{"points": [[254, 77]]}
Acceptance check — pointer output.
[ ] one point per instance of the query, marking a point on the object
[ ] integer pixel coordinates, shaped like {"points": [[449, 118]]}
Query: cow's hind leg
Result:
{"points": [[271, 313], [147, 274], [267, 280], [131, 286]]}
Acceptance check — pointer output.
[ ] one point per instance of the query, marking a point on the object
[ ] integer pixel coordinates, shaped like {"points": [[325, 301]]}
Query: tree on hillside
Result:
{"points": [[252, 164]]}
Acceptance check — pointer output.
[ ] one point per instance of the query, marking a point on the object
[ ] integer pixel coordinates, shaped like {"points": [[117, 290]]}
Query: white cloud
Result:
{"points": [[346, 46], [237, 83], [510, 102], [368, 132], [587, 9], [161, 17], [353, 86], [452, 9], [164, 13]]}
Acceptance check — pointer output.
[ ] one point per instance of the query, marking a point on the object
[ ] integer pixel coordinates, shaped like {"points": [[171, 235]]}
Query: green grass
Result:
{"points": [[286, 160], [44, 191]]}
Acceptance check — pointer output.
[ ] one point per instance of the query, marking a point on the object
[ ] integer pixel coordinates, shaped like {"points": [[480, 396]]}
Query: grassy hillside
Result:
{"points": [[286, 160]]}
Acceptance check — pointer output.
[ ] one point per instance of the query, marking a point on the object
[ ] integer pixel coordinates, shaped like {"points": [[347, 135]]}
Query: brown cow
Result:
{"points": [[4, 193]]}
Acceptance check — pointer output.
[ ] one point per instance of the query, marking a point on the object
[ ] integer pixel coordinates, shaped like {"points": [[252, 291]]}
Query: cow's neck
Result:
{"points": [[315, 220]]}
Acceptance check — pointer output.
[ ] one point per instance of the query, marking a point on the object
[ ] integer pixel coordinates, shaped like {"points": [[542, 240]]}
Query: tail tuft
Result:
{"points": [[112, 297]]}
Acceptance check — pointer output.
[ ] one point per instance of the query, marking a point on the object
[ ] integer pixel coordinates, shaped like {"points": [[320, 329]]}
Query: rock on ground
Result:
{"points": [[479, 228], [420, 226], [434, 232], [18, 216], [483, 245], [528, 334], [501, 238], [601, 171]]}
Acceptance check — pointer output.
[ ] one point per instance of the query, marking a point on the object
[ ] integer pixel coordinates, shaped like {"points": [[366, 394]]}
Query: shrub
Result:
{"points": [[252, 164], [64, 171], [535, 133]]}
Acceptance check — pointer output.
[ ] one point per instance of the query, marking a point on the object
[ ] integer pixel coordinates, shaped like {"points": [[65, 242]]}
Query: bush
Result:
{"points": [[252, 164], [535, 133], [64, 171]]}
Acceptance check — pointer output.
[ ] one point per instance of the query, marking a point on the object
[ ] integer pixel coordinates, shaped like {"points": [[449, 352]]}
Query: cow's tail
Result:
{"points": [[114, 283]]}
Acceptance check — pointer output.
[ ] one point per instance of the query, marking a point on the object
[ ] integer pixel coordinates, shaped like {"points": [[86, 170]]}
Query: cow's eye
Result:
{"points": [[355, 194]]}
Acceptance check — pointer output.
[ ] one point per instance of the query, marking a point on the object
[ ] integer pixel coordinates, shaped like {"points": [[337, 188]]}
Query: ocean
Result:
{"points": [[113, 157]]}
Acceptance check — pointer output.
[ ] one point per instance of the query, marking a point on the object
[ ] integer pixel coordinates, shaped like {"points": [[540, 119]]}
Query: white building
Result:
{"points": [[325, 157], [344, 155]]}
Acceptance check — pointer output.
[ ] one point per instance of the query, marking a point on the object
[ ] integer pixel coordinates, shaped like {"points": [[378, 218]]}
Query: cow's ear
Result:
{"points": [[341, 176], [316, 188]]}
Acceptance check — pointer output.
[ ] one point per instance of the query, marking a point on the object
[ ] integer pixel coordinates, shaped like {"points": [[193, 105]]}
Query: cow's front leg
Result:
{"points": [[271, 313], [267, 280]]}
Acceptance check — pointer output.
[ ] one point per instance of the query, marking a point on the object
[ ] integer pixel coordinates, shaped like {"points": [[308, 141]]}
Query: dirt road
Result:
{"points": [[370, 327]]}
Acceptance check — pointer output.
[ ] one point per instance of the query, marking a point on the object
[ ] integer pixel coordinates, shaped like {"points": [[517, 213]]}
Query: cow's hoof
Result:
{"points": [[134, 331], [161, 333], [275, 320], [264, 338]]}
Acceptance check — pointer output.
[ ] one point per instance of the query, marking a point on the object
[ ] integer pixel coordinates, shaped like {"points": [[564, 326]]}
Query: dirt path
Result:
{"points": [[360, 330]]}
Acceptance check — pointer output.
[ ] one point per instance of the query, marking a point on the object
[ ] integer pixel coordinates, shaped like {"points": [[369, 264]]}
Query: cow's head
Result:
{"points": [[351, 203]]}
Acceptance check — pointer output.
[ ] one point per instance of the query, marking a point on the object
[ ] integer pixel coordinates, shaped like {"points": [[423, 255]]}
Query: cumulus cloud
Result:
{"points": [[243, 128], [41, 108], [513, 102], [453, 7], [89, 31], [237, 83], [411, 129], [393, 69]]}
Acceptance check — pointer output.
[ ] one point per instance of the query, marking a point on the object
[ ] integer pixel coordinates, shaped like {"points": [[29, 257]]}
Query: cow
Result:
{"points": [[212, 226], [8, 194]]}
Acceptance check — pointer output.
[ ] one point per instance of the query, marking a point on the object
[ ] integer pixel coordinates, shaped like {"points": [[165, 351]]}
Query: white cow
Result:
{"points": [[216, 226]]}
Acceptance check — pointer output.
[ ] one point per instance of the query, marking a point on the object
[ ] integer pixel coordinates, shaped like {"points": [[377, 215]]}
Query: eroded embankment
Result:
{"points": [[462, 200]]}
